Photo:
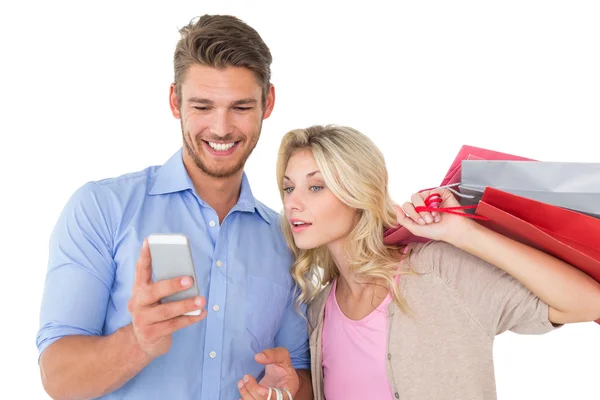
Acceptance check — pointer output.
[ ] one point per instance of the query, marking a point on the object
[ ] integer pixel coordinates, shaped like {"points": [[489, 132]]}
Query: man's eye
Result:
{"points": [[243, 108], [202, 108]]}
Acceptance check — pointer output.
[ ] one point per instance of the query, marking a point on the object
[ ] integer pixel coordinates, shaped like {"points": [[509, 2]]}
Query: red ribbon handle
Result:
{"points": [[432, 204]]}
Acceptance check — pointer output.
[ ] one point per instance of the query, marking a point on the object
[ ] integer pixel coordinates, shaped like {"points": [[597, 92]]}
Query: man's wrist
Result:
{"points": [[300, 381], [134, 351]]}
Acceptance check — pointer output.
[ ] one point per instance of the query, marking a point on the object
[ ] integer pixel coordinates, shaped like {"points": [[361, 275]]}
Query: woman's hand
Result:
{"points": [[434, 225]]}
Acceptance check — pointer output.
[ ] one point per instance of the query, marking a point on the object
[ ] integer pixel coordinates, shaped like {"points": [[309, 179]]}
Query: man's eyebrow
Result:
{"points": [[246, 101], [200, 100]]}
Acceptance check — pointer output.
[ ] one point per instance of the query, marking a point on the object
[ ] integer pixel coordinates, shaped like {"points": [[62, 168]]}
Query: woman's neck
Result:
{"points": [[348, 283]]}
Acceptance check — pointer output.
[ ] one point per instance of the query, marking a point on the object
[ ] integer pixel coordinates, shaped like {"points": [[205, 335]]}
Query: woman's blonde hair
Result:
{"points": [[354, 170]]}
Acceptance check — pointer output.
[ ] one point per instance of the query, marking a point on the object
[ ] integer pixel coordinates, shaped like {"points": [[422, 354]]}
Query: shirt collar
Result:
{"points": [[172, 177], [248, 203]]}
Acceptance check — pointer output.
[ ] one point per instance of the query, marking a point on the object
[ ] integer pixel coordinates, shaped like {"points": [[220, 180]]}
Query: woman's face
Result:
{"points": [[316, 216]]}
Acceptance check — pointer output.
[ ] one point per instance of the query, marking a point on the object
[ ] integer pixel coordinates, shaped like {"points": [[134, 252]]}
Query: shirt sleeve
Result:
{"points": [[497, 300], [293, 333], [80, 269]]}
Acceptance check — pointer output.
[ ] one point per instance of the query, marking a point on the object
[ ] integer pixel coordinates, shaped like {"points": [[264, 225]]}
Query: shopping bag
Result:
{"points": [[564, 177], [585, 203], [568, 235], [399, 235], [571, 185]]}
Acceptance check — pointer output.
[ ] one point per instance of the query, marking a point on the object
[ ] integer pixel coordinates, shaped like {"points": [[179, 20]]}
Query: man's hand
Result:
{"points": [[153, 322], [279, 373]]}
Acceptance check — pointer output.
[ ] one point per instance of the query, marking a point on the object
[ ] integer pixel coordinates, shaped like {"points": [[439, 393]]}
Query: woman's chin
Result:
{"points": [[304, 244]]}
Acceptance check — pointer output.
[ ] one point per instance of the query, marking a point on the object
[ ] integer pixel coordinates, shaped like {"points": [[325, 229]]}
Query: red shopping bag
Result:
{"points": [[568, 235], [401, 236]]}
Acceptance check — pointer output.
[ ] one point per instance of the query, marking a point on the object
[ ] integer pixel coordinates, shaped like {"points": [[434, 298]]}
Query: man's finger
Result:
{"points": [[143, 266], [164, 288], [277, 355], [165, 312], [244, 391], [165, 328], [252, 387]]}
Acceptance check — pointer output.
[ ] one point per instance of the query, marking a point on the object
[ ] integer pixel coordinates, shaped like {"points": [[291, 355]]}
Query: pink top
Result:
{"points": [[354, 353]]}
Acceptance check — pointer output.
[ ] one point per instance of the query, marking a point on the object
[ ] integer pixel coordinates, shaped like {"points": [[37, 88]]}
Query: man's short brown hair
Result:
{"points": [[221, 41]]}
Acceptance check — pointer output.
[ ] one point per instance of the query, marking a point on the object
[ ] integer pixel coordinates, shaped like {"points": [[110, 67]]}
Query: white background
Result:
{"points": [[84, 96]]}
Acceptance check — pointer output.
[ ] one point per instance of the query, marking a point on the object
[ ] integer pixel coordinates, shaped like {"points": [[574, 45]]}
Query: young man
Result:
{"points": [[103, 331]]}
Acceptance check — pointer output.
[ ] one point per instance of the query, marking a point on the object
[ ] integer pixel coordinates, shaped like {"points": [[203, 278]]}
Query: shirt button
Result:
{"points": [[396, 395], [212, 224], [219, 263], [212, 354], [216, 307]]}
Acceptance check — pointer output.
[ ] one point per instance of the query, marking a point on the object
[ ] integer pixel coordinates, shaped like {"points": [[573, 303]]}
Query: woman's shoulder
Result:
{"points": [[423, 257], [457, 268]]}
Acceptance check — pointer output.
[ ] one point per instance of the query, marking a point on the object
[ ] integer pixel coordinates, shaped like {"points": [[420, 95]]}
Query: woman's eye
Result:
{"points": [[316, 188], [288, 189]]}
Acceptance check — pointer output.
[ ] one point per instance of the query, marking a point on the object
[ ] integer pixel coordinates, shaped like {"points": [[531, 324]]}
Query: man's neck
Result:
{"points": [[220, 193]]}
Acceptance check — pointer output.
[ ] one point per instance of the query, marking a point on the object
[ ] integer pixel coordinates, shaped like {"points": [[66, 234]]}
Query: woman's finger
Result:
{"points": [[433, 199], [407, 221], [419, 201]]}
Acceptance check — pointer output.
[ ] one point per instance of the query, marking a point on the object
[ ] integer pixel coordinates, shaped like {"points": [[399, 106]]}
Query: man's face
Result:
{"points": [[221, 117]]}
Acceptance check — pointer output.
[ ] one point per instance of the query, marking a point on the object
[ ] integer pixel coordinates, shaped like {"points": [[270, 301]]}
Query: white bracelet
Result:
{"points": [[279, 393]]}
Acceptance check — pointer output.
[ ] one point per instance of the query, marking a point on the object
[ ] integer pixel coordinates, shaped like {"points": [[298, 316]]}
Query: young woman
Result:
{"points": [[416, 322]]}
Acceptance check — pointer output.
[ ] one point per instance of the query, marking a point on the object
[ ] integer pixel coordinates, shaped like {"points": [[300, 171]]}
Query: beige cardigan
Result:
{"points": [[443, 350]]}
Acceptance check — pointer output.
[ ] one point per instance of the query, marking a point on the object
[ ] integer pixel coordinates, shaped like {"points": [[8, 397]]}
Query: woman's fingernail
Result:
{"points": [[240, 384], [246, 378], [186, 281], [421, 221], [437, 218], [428, 219]]}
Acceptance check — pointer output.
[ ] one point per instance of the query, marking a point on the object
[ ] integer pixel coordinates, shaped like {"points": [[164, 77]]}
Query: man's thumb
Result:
{"points": [[278, 355]]}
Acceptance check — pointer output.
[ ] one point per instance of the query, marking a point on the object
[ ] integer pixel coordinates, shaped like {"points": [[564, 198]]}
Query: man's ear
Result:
{"points": [[174, 101], [270, 102]]}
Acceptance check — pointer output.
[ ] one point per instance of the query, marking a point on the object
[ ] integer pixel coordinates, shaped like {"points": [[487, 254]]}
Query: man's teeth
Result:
{"points": [[221, 146]]}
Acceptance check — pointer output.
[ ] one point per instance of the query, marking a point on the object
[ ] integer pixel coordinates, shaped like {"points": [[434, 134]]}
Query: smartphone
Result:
{"points": [[172, 258]]}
